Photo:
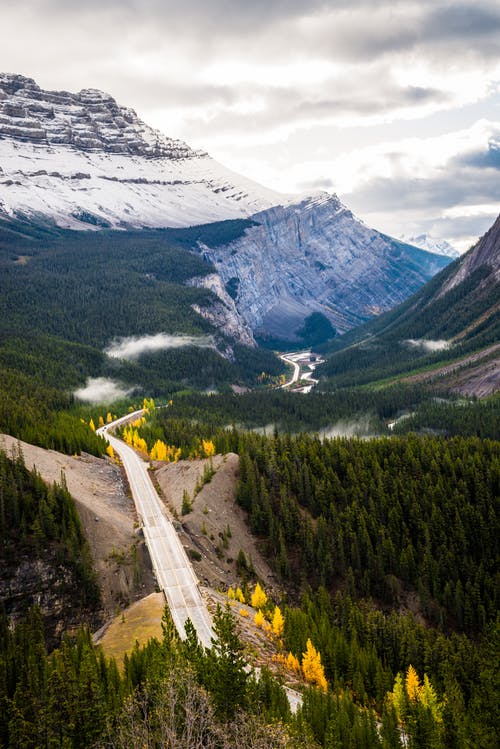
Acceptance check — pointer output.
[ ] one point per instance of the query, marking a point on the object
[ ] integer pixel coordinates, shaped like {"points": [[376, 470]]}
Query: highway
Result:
{"points": [[299, 360], [174, 573]]}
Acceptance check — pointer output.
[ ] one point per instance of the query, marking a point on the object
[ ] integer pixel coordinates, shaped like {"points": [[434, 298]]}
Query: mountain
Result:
{"points": [[451, 326], [84, 162], [431, 244], [316, 256]]}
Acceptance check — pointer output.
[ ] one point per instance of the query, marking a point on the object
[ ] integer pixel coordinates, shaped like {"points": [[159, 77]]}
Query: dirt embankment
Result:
{"points": [[215, 529], [477, 374], [108, 517]]}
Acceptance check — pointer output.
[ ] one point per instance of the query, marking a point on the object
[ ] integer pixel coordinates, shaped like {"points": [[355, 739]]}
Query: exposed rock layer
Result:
{"points": [[85, 162]]}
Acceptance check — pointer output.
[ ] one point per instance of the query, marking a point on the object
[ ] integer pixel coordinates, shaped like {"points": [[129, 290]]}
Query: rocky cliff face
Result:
{"points": [[315, 255], [88, 120], [486, 253], [85, 162]]}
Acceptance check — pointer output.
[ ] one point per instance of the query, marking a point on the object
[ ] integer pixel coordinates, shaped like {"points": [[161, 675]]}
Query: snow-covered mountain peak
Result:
{"points": [[431, 244], [88, 120], [83, 160]]}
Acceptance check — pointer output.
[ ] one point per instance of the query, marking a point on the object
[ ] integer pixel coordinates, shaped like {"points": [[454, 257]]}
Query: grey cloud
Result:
{"points": [[463, 20], [356, 30], [456, 187]]}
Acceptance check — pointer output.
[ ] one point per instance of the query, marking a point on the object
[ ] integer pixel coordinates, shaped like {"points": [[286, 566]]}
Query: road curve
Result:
{"points": [[174, 573]]}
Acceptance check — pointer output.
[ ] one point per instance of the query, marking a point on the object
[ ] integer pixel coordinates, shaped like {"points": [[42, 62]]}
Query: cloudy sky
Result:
{"points": [[393, 104]]}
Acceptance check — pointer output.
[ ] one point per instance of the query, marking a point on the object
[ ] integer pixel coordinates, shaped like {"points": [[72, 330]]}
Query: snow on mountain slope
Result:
{"points": [[431, 244], [84, 161]]}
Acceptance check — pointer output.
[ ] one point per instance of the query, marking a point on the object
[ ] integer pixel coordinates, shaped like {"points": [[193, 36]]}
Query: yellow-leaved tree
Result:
{"points": [[101, 421], [110, 451], [412, 684], [292, 663], [312, 667], [238, 594], [159, 451], [408, 694], [109, 418], [259, 598], [260, 620], [148, 404], [92, 425], [208, 448], [277, 623]]}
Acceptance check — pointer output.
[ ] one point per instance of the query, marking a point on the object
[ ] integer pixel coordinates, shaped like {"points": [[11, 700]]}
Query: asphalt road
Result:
{"points": [[174, 573]]}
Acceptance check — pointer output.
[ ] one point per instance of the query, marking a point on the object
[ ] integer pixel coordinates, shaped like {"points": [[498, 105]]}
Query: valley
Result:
{"points": [[315, 491]]}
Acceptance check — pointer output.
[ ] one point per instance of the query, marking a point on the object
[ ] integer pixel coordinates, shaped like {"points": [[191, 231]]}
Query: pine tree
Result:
{"points": [[226, 665]]}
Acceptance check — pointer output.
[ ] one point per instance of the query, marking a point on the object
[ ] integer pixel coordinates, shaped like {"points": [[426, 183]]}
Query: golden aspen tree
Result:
{"points": [[277, 623], [101, 421], [109, 418], [259, 598], [408, 692], [243, 613], [148, 404], [259, 620], [312, 667], [292, 663], [110, 451], [92, 425], [238, 594], [230, 593], [412, 684], [208, 448], [159, 451]]}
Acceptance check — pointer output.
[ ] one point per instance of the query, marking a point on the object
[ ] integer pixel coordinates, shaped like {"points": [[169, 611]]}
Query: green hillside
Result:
{"points": [[460, 306], [65, 296]]}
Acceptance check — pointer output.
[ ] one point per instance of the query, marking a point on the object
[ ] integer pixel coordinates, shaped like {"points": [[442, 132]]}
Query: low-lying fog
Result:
{"points": [[102, 390], [427, 345], [133, 347], [361, 427]]}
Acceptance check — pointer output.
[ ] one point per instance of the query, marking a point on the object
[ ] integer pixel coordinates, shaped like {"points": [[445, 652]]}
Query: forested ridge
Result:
{"points": [[65, 296], [388, 549], [43, 551]]}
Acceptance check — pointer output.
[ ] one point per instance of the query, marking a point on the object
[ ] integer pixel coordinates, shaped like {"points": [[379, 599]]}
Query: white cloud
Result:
{"points": [[102, 390], [134, 347], [342, 93], [428, 344]]}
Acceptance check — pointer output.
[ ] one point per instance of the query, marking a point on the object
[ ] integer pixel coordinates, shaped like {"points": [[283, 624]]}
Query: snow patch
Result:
{"points": [[133, 347], [101, 390]]}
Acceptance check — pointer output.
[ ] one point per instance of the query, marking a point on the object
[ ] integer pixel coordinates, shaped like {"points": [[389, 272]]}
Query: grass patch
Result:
{"points": [[139, 622]]}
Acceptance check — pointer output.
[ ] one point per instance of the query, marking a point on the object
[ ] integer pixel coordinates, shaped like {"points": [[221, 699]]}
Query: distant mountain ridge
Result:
{"points": [[431, 244], [84, 162], [455, 317]]}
